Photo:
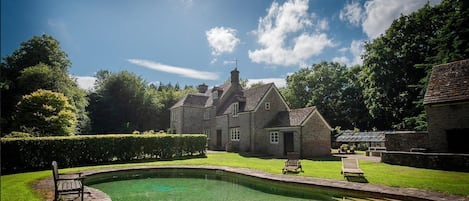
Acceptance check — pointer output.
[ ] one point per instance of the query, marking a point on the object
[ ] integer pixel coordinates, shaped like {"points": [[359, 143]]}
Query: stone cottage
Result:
{"points": [[447, 106], [256, 120]]}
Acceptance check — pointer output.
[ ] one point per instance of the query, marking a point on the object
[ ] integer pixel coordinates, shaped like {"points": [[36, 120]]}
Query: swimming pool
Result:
{"points": [[202, 184]]}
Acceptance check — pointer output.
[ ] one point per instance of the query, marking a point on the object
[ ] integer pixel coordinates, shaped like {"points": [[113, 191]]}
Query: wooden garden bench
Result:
{"points": [[293, 163], [350, 167], [66, 185]]}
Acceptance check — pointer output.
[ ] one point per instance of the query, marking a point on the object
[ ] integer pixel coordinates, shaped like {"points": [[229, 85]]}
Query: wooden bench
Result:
{"points": [[66, 184], [350, 167], [293, 163]]}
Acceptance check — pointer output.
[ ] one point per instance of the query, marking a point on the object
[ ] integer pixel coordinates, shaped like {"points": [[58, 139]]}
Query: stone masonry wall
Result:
{"points": [[404, 141], [439, 161]]}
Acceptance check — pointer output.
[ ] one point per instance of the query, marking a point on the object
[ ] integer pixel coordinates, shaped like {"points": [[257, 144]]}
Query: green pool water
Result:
{"points": [[207, 185], [189, 189]]}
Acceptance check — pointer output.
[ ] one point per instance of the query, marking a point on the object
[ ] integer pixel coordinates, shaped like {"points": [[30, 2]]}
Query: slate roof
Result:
{"points": [[194, 100], [448, 83], [377, 136], [292, 118], [253, 97]]}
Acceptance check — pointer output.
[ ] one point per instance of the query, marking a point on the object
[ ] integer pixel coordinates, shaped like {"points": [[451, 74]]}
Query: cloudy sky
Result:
{"points": [[200, 41]]}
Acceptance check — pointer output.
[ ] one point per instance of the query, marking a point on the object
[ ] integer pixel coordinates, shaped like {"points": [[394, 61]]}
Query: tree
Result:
{"points": [[332, 89], [117, 103], [39, 63], [124, 102], [397, 64], [46, 113]]}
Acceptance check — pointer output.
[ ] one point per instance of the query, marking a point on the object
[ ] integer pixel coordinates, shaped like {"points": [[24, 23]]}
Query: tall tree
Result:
{"points": [[41, 59], [397, 64], [124, 102], [332, 89]]}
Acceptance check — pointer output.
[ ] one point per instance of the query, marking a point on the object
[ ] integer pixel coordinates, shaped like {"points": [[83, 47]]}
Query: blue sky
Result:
{"points": [[196, 41]]}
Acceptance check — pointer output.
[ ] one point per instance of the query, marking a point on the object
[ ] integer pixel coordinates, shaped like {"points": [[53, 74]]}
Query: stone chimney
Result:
{"points": [[202, 88], [235, 77]]}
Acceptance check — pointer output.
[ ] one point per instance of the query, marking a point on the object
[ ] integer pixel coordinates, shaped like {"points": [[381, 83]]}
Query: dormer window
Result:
{"points": [[235, 109], [267, 105]]}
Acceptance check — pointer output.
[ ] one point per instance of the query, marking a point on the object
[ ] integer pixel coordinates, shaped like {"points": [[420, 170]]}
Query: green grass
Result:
{"points": [[18, 186]]}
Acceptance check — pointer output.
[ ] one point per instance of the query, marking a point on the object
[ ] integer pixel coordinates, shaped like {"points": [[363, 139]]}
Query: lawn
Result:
{"points": [[18, 186]]}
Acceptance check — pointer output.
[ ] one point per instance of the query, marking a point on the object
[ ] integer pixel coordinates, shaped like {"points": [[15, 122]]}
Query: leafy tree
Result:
{"points": [[46, 113], [397, 64], [124, 102], [332, 89], [39, 63], [117, 103]]}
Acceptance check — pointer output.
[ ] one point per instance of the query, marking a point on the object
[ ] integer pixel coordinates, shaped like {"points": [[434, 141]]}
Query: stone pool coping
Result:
{"points": [[46, 186]]}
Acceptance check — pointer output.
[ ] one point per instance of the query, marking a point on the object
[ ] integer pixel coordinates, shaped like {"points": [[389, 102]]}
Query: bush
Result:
{"points": [[24, 154], [47, 113], [16, 134]]}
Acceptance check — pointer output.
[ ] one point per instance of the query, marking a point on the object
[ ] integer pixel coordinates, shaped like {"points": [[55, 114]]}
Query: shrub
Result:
{"points": [[23, 154], [46, 112], [16, 134]]}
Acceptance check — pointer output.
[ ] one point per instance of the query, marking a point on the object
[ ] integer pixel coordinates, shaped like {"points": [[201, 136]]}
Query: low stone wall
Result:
{"points": [[439, 161], [406, 140]]}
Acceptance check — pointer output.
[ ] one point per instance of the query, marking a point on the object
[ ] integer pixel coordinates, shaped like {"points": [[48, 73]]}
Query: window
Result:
{"points": [[274, 137], [234, 134], [207, 114], [267, 106], [173, 115], [207, 131], [235, 109]]}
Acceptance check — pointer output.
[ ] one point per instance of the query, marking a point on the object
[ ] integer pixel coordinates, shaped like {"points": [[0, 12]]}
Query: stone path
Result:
{"points": [[46, 187]]}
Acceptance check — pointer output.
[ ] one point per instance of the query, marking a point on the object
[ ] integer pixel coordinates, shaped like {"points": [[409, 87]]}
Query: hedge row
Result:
{"points": [[24, 154]]}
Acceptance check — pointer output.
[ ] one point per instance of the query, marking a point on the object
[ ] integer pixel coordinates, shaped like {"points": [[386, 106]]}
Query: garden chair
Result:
{"points": [[293, 163], [350, 167], [66, 185]]}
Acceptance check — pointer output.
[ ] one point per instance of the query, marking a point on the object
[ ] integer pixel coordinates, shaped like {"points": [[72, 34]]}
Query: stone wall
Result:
{"points": [[439, 161], [404, 141], [442, 118]]}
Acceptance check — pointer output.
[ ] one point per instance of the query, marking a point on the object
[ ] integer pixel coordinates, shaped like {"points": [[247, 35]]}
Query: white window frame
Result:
{"points": [[274, 137], [173, 115], [235, 109], [234, 134], [267, 105], [207, 131]]}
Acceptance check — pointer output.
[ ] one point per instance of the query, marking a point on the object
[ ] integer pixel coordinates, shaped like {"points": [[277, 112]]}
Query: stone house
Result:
{"points": [[256, 120], [446, 103]]}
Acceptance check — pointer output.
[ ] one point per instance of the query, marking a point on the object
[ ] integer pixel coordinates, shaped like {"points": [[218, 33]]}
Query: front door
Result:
{"points": [[288, 142]]}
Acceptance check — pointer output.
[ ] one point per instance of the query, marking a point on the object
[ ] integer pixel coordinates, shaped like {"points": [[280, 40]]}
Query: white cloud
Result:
{"points": [[342, 60], [379, 14], [85, 82], [222, 40], [355, 50], [184, 72], [323, 24], [352, 13], [283, 36], [279, 82]]}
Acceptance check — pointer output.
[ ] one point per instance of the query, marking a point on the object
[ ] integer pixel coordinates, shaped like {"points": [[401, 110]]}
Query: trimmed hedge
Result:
{"points": [[24, 154]]}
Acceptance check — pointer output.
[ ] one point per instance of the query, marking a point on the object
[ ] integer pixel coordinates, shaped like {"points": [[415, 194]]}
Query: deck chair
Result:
{"points": [[293, 163], [66, 185], [350, 167]]}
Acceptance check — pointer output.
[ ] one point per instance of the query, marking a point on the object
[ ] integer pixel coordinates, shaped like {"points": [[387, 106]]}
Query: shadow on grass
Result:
{"points": [[357, 179]]}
